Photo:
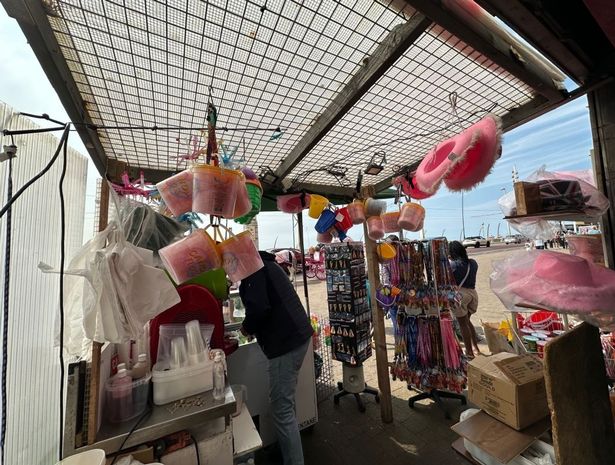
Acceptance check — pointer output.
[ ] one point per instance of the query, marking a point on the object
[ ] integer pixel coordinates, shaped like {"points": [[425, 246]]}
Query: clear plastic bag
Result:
{"points": [[146, 228], [588, 199], [556, 282]]}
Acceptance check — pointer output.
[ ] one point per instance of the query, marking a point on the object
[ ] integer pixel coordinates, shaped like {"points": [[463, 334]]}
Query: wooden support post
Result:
{"points": [[382, 362], [103, 218]]}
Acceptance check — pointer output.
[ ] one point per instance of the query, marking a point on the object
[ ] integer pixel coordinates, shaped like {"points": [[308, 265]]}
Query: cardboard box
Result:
{"points": [[492, 442], [510, 388]]}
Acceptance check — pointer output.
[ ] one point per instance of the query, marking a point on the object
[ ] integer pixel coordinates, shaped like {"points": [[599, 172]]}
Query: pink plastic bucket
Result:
{"points": [[243, 205], [375, 228], [356, 210], [293, 203], [240, 258], [176, 192], [215, 190], [411, 217], [324, 238], [389, 220], [190, 256]]}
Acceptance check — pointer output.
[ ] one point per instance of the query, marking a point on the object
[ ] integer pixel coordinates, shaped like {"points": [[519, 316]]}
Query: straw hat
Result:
{"points": [[557, 281]]}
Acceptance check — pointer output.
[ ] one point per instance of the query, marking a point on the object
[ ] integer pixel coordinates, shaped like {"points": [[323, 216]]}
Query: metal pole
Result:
{"points": [[302, 248], [463, 223]]}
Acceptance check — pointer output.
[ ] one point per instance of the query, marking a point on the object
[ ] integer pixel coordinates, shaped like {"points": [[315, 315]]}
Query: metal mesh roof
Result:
{"points": [[155, 62], [412, 102]]}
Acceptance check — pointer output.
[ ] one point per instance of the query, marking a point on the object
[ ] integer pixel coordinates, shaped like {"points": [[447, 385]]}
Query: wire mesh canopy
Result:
{"points": [[268, 65]]}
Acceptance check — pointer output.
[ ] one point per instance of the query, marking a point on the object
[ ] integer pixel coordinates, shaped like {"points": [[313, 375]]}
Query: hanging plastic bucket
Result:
{"points": [[176, 192], [411, 216], [356, 210], [324, 238], [214, 281], [255, 194], [240, 258], [317, 205], [243, 205], [190, 256], [386, 251], [375, 207], [215, 190], [326, 221], [293, 203], [343, 222], [389, 220], [375, 228]]}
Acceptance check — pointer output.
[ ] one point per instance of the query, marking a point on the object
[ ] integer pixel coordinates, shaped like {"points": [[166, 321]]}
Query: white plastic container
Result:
{"points": [[486, 459], [172, 385]]}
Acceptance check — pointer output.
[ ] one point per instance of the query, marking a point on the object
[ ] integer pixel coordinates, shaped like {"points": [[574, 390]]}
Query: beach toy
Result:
{"points": [[214, 281], [317, 205], [255, 194], [243, 205], [531, 343], [389, 220], [215, 190], [324, 238], [375, 228], [326, 221], [375, 207], [240, 258], [386, 251], [293, 203], [411, 216], [176, 192], [356, 210], [190, 256], [343, 222], [540, 345]]}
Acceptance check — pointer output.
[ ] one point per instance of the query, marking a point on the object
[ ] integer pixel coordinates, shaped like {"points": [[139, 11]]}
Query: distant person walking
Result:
{"points": [[464, 271]]}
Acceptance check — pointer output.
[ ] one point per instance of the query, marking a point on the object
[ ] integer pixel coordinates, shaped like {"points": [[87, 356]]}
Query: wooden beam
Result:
{"points": [[520, 18], [386, 54], [485, 42], [382, 362]]}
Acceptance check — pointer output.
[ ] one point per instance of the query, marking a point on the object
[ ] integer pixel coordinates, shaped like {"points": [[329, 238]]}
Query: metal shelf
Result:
{"points": [[566, 215]]}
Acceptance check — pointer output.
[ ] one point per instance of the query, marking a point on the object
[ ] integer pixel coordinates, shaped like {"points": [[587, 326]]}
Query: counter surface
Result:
{"points": [[163, 420]]}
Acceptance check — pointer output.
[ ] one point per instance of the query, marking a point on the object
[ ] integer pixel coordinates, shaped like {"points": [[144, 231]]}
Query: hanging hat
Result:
{"points": [[293, 203], [559, 282], [409, 187], [480, 156], [463, 160]]}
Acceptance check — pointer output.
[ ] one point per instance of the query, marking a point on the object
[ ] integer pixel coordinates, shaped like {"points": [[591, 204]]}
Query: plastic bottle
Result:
{"points": [[219, 378], [141, 368]]}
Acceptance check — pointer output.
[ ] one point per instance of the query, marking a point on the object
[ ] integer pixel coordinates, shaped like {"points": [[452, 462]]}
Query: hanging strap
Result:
{"points": [[466, 276]]}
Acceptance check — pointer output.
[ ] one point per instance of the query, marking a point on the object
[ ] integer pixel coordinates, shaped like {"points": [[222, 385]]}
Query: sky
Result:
{"points": [[560, 139]]}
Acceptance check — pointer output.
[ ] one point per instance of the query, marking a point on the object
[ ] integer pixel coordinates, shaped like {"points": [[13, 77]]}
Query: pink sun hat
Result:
{"points": [[479, 157], [410, 188], [463, 160], [558, 282]]}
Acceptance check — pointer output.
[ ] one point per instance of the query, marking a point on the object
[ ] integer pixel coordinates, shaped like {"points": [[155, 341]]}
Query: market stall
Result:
{"points": [[191, 96]]}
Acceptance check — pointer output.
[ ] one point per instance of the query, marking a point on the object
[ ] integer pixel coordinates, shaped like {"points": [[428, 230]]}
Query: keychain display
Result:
{"points": [[349, 311], [418, 292]]}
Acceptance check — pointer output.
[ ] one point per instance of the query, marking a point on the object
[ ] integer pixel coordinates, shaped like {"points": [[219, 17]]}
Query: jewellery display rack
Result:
{"points": [[349, 316], [419, 295]]}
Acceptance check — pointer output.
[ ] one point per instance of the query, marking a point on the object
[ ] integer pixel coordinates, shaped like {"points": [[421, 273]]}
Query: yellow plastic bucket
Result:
{"points": [[317, 205]]}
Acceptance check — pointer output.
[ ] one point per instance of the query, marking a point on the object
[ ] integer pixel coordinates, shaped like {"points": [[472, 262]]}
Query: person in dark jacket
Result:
{"points": [[275, 315]]}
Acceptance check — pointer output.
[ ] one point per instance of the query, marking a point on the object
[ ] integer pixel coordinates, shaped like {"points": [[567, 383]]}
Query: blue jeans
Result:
{"points": [[283, 373]]}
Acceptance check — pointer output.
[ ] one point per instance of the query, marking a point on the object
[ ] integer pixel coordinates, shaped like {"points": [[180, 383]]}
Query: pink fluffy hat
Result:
{"points": [[409, 187], [463, 161], [559, 282]]}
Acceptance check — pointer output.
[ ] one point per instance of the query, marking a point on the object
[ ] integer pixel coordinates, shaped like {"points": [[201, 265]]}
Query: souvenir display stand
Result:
{"points": [[349, 317], [418, 292]]}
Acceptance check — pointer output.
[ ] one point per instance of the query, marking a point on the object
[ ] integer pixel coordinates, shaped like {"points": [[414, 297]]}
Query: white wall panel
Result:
{"points": [[33, 366]]}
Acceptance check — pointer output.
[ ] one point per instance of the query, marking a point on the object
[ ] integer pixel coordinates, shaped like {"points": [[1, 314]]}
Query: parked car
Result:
{"points": [[512, 240], [476, 241]]}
